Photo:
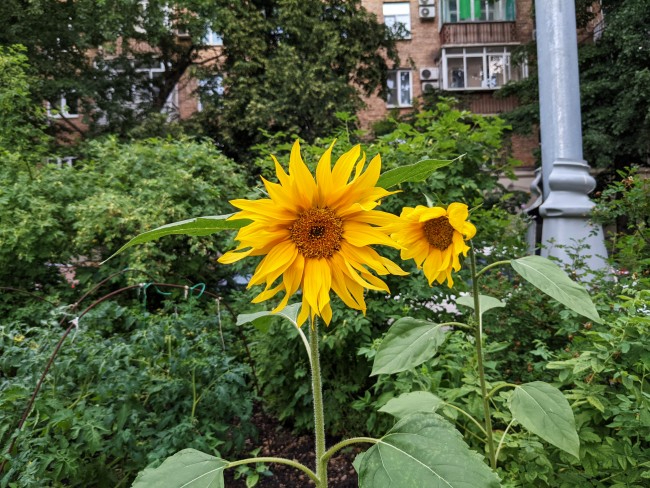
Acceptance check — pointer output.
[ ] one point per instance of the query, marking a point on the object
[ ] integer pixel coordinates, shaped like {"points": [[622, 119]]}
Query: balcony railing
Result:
{"points": [[464, 33]]}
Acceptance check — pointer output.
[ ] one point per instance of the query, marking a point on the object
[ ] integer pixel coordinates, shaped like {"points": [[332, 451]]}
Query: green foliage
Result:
{"points": [[615, 75], [292, 66], [423, 450], [282, 368], [543, 410], [127, 389], [188, 467], [624, 208], [606, 372], [22, 119], [81, 215], [550, 279], [407, 344]]}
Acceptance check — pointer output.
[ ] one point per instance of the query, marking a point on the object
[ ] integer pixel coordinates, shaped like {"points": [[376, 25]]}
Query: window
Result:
{"points": [[479, 68], [211, 38], [209, 89], [397, 17], [399, 88], [147, 94], [478, 10], [66, 106]]}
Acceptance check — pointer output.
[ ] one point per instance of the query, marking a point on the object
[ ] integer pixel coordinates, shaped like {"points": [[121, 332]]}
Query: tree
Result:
{"points": [[22, 121], [285, 65], [614, 84], [615, 87]]}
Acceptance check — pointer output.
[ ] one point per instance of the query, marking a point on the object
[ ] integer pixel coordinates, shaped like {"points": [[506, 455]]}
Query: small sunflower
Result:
{"points": [[315, 235], [434, 238]]}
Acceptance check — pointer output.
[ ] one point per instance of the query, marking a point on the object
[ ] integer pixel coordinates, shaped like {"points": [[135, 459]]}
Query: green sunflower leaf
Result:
{"points": [[188, 468], [290, 312], [486, 302], [419, 171], [408, 343], [543, 410], [549, 278], [424, 449], [200, 226], [412, 402]]}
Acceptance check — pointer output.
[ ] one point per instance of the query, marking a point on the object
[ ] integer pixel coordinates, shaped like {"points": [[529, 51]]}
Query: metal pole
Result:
{"points": [[566, 180]]}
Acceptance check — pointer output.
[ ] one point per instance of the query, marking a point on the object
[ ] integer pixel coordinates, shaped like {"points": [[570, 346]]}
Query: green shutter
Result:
{"points": [[510, 10], [464, 10]]}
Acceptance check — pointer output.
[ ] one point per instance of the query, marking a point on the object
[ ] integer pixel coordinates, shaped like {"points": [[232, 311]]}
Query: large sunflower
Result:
{"points": [[434, 238], [315, 235]]}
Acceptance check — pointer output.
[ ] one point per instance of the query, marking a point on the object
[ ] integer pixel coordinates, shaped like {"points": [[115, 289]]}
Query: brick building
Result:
{"points": [[461, 47]]}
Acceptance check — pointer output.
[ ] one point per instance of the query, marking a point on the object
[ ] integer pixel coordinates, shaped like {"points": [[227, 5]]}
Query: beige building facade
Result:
{"points": [[464, 48]]}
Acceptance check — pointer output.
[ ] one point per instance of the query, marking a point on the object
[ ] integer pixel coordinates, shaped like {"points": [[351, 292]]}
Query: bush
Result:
{"points": [[128, 388], [81, 215]]}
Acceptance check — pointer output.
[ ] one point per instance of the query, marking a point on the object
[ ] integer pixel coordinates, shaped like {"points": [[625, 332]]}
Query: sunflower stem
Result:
{"points": [[319, 417], [479, 359]]}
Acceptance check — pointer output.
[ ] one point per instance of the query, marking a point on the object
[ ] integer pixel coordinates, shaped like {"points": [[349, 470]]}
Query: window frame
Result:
{"points": [[60, 109], [398, 88], [488, 11], [394, 25], [217, 88], [487, 54]]}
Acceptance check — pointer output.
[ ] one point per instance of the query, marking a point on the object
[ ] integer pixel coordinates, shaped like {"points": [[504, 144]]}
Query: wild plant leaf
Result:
{"points": [[290, 312], [485, 302], [200, 226], [543, 410], [188, 468], [419, 171], [408, 343], [549, 278], [412, 402], [424, 450]]}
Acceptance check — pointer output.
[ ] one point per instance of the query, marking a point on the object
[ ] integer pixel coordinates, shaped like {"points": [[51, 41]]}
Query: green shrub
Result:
{"points": [[128, 388], [81, 215]]}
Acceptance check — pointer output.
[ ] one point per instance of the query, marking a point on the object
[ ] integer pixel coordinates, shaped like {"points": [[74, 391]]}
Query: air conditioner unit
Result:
{"points": [[427, 2], [427, 74], [429, 86], [428, 12]]}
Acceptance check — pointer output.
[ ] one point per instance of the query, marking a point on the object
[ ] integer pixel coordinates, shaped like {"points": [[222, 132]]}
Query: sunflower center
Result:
{"points": [[317, 233], [439, 232]]}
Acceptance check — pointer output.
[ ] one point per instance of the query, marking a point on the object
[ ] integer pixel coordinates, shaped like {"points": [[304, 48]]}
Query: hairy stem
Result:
{"points": [[503, 438], [319, 416], [493, 265], [476, 422], [479, 358], [353, 440]]}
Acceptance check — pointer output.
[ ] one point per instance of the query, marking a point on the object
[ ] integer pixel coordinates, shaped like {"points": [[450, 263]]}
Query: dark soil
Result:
{"points": [[278, 441]]}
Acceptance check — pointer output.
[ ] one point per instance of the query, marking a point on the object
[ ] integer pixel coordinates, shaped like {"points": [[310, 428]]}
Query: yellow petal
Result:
{"points": [[234, 256], [360, 235], [343, 167], [276, 261], [432, 213], [303, 182], [458, 214], [324, 175]]}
